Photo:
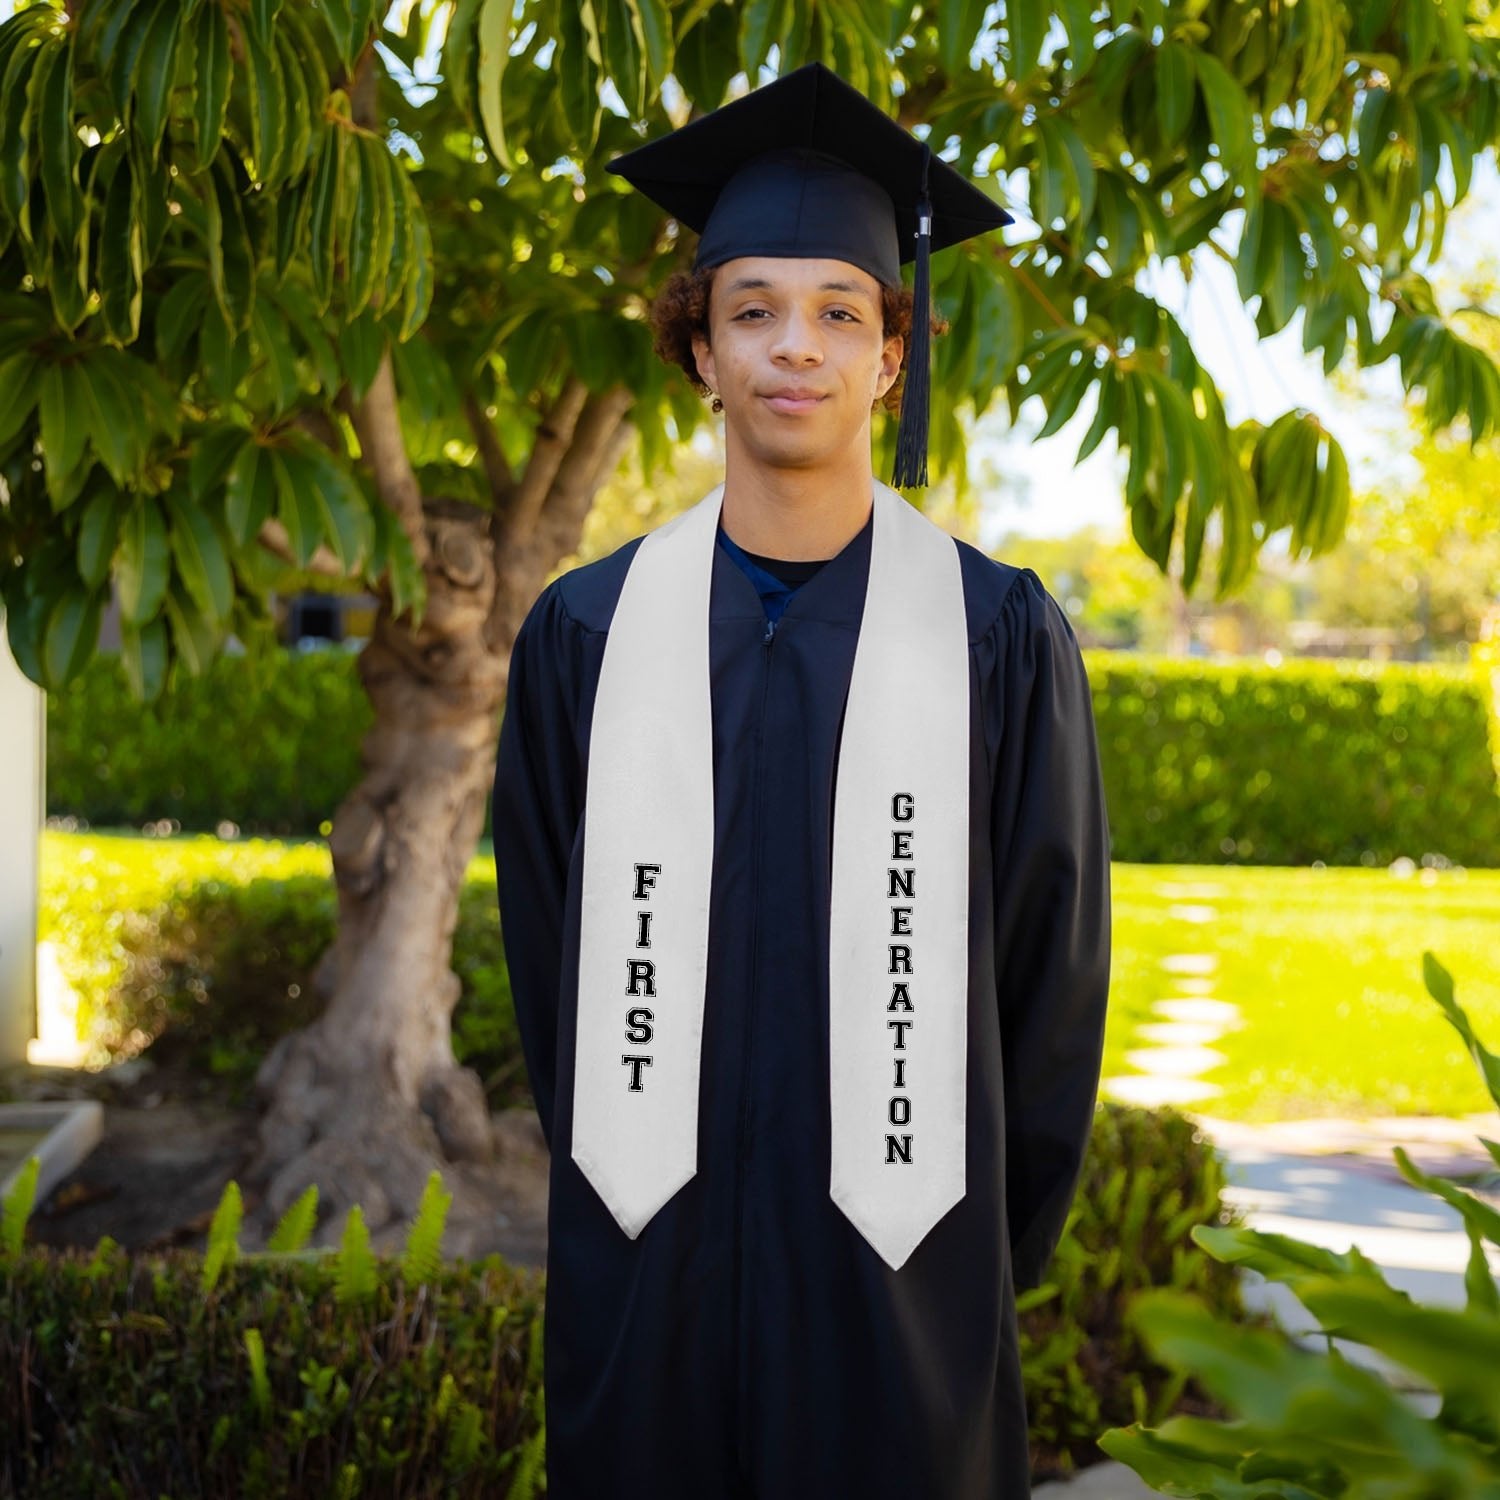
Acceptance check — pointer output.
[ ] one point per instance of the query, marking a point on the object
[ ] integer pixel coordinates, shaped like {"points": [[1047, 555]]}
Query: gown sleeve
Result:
{"points": [[536, 808], [1050, 838]]}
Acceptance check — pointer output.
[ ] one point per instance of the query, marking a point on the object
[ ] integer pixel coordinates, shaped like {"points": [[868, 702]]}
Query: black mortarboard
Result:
{"points": [[807, 167]]}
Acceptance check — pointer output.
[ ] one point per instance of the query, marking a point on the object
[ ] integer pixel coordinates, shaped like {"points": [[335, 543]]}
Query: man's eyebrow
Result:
{"points": [[760, 284]]}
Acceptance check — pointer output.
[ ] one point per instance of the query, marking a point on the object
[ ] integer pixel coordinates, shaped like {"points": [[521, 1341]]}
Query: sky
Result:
{"points": [[1039, 492]]}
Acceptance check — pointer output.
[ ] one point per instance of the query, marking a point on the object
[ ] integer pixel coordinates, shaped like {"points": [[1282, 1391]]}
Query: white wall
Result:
{"points": [[23, 727]]}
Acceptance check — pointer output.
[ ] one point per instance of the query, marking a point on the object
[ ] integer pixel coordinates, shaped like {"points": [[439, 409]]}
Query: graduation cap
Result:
{"points": [[807, 167]]}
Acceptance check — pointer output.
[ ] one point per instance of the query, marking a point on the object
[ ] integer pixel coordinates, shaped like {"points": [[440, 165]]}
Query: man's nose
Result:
{"points": [[796, 340]]}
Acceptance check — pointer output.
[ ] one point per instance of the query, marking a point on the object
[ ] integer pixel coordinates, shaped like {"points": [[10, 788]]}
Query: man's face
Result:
{"points": [[798, 355]]}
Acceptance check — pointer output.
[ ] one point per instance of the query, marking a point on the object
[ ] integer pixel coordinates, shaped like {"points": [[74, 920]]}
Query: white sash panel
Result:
{"points": [[647, 867], [898, 957], [898, 938]]}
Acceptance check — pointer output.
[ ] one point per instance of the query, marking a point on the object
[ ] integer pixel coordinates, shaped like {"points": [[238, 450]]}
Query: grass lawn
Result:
{"points": [[1326, 968], [1324, 965]]}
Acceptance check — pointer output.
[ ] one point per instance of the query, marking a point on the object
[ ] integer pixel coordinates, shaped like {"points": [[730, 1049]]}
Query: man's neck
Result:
{"points": [[794, 515]]}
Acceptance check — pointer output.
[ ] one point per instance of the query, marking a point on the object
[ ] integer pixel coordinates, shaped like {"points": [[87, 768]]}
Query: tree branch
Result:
{"points": [[581, 470], [496, 468], [273, 537], [378, 426], [553, 438]]}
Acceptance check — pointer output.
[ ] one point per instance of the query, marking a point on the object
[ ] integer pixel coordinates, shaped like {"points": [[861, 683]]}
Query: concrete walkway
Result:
{"points": [[1334, 1183], [1331, 1182]]}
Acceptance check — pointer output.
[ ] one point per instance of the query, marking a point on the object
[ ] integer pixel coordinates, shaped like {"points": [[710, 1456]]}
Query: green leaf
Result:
{"points": [[296, 1225], [297, 109], [624, 52], [1027, 21], [1373, 129], [1439, 983], [656, 29], [371, 238], [18, 392], [122, 62], [179, 314], [267, 120], [296, 506], [959, 23], [16, 159], [213, 457], [1070, 393], [50, 94], [1078, 21], [1229, 112], [706, 57], [249, 493], [145, 561], [578, 69], [71, 635], [202, 561], [110, 425], [494, 52], [460, 51], [63, 426], [323, 215], [1176, 87], [153, 85], [99, 534], [273, 344], [121, 257], [143, 654], [195, 636], [361, 344], [231, 258], [1106, 412], [762, 25], [343, 518], [419, 278]]}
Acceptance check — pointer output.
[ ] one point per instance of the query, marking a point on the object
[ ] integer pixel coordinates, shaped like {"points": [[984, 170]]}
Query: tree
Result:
{"points": [[273, 300]]}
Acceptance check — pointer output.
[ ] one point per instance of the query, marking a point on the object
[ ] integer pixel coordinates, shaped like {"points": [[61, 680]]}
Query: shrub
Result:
{"points": [[1204, 762], [1309, 1423], [1149, 1176], [215, 971], [277, 1374], [1344, 762], [342, 1369]]}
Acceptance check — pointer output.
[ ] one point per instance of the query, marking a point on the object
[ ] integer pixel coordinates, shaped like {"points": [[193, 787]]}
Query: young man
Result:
{"points": [[804, 879]]}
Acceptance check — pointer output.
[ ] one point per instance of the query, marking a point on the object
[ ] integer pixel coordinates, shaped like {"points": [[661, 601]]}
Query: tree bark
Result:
{"points": [[368, 1100]]}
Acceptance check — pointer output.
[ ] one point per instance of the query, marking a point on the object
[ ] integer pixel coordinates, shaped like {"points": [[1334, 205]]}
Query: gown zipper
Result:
{"points": [[742, 1154]]}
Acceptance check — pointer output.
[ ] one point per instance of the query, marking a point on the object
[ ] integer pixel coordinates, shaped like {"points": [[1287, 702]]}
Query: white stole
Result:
{"points": [[898, 929]]}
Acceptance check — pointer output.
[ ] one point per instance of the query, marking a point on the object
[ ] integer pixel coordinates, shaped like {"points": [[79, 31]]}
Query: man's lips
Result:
{"points": [[791, 400]]}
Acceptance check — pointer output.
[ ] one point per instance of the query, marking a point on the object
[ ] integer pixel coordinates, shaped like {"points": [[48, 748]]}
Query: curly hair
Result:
{"points": [[680, 309]]}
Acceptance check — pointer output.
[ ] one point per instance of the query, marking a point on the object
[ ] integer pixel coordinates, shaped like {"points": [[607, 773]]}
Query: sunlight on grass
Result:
{"points": [[1325, 965], [1326, 968]]}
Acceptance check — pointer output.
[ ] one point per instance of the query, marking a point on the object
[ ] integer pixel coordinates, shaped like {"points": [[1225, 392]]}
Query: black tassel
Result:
{"points": [[911, 435]]}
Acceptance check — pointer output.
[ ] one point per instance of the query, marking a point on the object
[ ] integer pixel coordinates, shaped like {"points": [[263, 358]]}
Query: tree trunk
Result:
{"points": [[369, 1100]]}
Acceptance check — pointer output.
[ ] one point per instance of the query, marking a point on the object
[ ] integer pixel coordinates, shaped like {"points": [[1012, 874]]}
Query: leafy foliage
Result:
{"points": [[1203, 761], [447, 1359], [1310, 1424], [226, 219]]}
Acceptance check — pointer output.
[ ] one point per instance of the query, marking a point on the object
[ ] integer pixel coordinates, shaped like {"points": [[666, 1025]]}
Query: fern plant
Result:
{"points": [[1312, 1424], [16, 1207], [422, 1259]]}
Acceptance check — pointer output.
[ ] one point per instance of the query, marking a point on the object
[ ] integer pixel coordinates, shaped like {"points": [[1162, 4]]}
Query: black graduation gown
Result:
{"points": [[749, 1342]]}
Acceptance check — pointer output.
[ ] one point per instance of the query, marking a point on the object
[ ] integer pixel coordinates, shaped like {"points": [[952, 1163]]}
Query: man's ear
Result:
{"points": [[703, 356], [890, 364]]}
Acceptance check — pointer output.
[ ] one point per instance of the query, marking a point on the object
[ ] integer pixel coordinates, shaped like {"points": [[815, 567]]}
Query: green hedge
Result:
{"points": [[1204, 762], [341, 1373], [1344, 762], [270, 744]]}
